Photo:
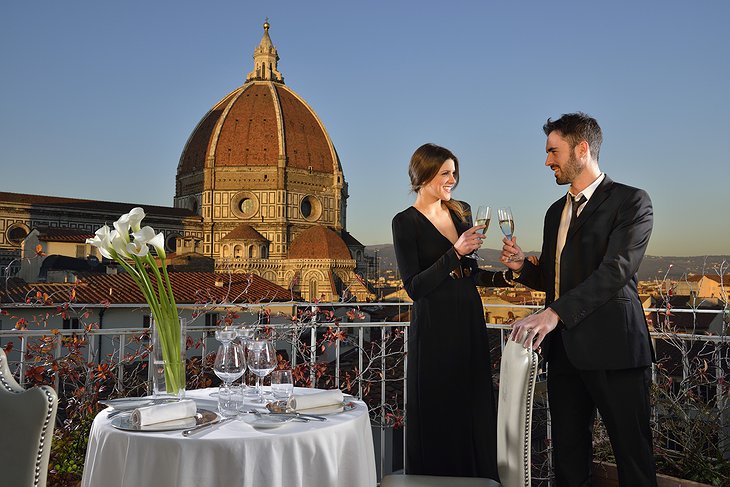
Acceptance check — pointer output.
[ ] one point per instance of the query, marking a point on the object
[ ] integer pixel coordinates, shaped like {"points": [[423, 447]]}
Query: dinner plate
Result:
{"points": [[267, 420], [203, 416]]}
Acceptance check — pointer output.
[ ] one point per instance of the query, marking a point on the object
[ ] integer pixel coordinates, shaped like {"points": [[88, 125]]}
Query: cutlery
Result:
{"points": [[300, 416], [196, 429]]}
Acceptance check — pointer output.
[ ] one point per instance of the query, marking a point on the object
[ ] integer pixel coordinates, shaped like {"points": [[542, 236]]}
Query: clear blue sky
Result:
{"points": [[97, 98]]}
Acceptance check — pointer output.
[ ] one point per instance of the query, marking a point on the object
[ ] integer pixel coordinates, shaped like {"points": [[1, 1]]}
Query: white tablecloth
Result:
{"points": [[336, 452]]}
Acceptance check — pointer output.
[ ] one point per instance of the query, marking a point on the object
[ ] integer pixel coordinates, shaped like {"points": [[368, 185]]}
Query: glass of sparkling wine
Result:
{"points": [[483, 216], [507, 225]]}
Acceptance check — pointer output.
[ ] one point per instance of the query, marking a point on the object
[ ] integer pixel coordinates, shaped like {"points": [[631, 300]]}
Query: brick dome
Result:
{"points": [[318, 242], [262, 123]]}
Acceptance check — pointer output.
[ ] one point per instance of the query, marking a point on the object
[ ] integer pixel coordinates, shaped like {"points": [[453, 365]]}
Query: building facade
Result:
{"points": [[259, 189]]}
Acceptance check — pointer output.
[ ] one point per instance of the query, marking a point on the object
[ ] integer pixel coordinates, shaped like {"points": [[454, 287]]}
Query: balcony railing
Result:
{"points": [[362, 348]]}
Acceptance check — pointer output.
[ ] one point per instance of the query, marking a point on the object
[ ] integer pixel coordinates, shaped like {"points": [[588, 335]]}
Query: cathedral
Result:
{"points": [[259, 189]]}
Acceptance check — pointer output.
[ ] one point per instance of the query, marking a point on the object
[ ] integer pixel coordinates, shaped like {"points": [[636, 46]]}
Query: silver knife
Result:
{"points": [[206, 425]]}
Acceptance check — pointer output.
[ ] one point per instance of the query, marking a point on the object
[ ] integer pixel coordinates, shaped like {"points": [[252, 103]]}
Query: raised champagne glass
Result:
{"points": [[507, 225], [483, 217]]}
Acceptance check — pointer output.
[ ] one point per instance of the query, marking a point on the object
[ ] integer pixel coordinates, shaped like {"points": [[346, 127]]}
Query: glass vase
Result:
{"points": [[167, 358]]}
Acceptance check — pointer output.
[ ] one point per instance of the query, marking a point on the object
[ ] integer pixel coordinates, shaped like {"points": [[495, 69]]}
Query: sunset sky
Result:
{"points": [[97, 99]]}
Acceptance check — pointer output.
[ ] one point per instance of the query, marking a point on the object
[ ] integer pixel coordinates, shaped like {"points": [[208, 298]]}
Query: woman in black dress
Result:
{"points": [[450, 413]]}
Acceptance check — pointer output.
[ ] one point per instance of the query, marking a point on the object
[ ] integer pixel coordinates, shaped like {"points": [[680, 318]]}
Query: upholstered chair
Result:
{"points": [[27, 417], [517, 376]]}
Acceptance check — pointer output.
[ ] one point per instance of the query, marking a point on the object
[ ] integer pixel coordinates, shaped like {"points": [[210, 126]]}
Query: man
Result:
{"points": [[596, 340]]}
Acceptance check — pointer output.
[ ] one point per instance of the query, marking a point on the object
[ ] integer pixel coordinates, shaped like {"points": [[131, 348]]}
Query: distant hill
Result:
{"points": [[653, 267]]}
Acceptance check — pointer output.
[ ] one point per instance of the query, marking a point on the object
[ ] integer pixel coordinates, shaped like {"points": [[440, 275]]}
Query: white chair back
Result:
{"points": [[517, 376], [27, 418]]}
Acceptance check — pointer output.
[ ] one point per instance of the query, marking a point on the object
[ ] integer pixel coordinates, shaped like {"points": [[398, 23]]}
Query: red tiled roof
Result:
{"points": [[188, 287], [49, 234], [318, 242], [244, 129], [244, 232]]}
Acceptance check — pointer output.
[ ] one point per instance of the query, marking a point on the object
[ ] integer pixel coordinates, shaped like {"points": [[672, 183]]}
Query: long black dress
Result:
{"points": [[450, 412]]}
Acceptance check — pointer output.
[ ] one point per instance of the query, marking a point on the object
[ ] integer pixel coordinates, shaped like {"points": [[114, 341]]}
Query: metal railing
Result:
{"points": [[323, 338]]}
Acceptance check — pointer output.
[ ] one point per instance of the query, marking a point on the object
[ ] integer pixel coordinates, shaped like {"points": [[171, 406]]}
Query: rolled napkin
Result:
{"points": [[300, 402], [159, 413]]}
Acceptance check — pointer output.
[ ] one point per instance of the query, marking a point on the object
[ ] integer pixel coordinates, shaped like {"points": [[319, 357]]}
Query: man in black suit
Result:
{"points": [[596, 340]]}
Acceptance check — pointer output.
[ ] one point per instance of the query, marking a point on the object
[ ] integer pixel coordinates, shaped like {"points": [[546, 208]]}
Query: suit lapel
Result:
{"points": [[599, 196]]}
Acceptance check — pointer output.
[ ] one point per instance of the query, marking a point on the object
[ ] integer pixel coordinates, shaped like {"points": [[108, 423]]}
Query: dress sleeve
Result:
{"points": [[490, 279], [416, 281]]}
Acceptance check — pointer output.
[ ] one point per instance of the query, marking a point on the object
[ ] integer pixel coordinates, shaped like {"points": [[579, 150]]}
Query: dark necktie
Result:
{"points": [[576, 204]]}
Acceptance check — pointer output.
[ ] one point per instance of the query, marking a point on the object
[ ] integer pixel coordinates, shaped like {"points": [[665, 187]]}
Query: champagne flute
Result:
{"points": [[483, 217], [507, 225], [261, 361]]}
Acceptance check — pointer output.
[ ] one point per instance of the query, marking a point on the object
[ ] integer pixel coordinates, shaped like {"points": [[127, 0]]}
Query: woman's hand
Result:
{"points": [[470, 240]]}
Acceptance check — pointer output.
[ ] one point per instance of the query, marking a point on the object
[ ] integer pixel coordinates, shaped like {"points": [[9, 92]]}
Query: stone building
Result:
{"points": [[259, 189]]}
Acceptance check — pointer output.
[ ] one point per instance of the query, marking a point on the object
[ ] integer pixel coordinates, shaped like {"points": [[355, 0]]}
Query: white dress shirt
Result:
{"points": [[565, 222]]}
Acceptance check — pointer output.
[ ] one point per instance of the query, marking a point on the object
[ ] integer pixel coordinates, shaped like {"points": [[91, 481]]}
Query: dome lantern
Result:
{"points": [[265, 59]]}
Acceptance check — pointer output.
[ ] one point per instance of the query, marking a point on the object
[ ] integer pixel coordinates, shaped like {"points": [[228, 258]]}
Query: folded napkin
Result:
{"points": [[159, 413], [299, 402]]}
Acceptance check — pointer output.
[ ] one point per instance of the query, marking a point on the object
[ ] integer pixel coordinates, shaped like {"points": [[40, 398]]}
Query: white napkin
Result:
{"points": [[159, 413], [299, 402]]}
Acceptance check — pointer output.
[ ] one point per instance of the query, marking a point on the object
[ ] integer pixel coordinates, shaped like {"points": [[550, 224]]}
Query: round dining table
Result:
{"points": [[336, 452]]}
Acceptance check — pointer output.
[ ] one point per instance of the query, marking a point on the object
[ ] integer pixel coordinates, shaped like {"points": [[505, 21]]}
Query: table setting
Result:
{"points": [[300, 437]]}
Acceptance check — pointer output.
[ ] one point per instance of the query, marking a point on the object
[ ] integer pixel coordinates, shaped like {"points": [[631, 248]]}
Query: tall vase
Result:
{"points": [[167, 359]]}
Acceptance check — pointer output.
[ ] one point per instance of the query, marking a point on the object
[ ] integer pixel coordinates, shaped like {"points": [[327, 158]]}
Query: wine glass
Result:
{"points": [[261, 357], [483, 217], [229, 365], [507, 225]]}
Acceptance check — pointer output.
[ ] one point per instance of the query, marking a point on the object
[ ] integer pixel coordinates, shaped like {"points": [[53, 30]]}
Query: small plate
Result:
{"points": [[203, 416], [267, 420]]}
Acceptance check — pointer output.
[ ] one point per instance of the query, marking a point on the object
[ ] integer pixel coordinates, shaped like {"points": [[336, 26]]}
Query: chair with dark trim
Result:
{"points": [[27, 418], [517, 377]]}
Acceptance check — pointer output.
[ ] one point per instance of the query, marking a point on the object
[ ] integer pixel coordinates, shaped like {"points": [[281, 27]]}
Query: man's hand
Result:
{"points": [[531, 331], [510, 250]]}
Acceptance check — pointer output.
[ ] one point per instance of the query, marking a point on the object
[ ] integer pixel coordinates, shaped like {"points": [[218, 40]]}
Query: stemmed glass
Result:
{"points": [[282, 385], [483, 217], [261, 357], [230, 361], [507, 225]]}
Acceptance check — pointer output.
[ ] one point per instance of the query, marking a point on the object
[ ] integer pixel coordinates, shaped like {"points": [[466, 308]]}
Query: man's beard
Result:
{"points": [[569, 171]]}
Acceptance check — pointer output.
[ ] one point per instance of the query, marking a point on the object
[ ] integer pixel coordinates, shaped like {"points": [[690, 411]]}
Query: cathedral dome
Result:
{"points": [[263, 123], [318, 242]]}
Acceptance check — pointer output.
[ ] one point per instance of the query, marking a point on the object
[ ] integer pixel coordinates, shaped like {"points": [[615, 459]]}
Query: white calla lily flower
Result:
{"points": [[119, 243], [122, 227], [135, 218], [102, 242], [158, 242], [138, 248]]}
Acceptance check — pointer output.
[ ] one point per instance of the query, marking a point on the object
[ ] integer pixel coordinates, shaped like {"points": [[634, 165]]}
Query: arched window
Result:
{"points": [[226, 251], [312, 289], [264, 252], [250, 251], [238, 251]]}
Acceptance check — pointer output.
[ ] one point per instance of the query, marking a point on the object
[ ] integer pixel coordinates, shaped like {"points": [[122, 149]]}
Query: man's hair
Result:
{"points": [[575, 128]]}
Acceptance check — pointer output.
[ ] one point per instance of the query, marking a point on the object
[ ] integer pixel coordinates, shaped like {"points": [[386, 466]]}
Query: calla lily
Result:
{"points": [[147, 235], [158, 242], [122, 227], [135, 218], [119, 243], [140, 249], [101, 241]]}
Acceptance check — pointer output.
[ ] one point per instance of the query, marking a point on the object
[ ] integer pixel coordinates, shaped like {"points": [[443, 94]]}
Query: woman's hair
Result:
{"points": [[425, 164]]}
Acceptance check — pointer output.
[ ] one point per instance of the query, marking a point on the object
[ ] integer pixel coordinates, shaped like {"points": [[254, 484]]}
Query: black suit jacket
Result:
{"points": [[603, 325]]}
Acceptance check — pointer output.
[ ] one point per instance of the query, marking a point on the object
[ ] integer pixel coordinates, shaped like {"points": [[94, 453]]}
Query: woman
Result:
{"points": [[451, 417]]}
